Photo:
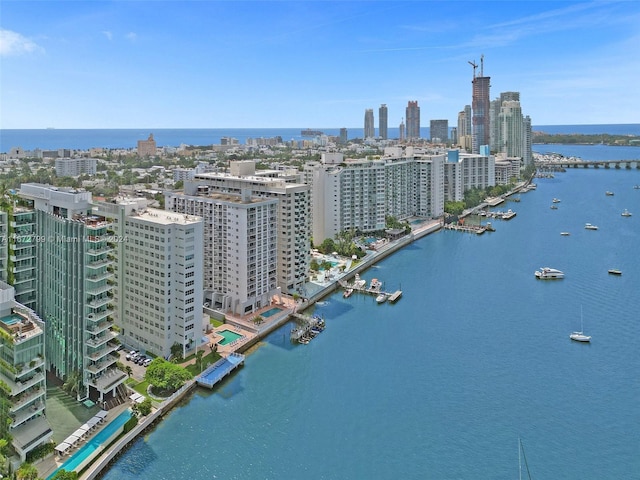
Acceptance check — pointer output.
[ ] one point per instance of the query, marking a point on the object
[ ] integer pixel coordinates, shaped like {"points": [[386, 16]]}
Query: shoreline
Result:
{"points": [[111, 452]]}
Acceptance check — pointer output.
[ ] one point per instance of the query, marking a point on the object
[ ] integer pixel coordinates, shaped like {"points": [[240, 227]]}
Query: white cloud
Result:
{"points": [[108, 34], [131, 36], [12, 43]]}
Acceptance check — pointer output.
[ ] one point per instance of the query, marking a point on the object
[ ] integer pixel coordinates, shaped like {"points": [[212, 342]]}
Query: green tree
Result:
{"points": [[166, 376], [176, 351], [144, 408], [199, 355], [27, 472], [129, 370]]}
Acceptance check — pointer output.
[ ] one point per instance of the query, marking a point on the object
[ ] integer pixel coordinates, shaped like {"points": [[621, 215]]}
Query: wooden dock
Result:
{"points": [[375, 288]]}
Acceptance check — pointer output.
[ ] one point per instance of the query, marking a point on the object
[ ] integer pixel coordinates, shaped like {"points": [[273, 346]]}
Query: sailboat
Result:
{"points": [[520, 457], [580, 336]]}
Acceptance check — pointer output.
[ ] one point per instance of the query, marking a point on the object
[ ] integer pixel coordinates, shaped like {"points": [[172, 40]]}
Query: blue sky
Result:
{"points": [[215, 64]]}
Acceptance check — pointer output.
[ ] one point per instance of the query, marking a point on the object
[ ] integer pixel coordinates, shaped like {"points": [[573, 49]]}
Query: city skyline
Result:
{"points": [[310, 64]]}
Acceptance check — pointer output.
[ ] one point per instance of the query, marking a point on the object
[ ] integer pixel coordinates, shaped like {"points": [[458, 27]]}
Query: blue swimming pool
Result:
{"points": [[94, 443], [11, 319], [270, 312]]}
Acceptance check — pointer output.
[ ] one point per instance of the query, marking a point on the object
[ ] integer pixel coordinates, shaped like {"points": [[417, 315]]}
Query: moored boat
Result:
{"points": [[588, 226], [381, 298], [615, 271], [609, 194], [347, 292], [565, 234], [556, 200], [626, 213], [547, 273]]}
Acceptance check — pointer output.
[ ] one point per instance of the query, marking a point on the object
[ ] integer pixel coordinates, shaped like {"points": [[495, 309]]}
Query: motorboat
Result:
{"points": [[608, 194], [636, 187], [626, 213], [381, 298], [565, 234], [547, 273], [347, 292], [588, 226], [615, 271], [554, 207], [556, 200]]}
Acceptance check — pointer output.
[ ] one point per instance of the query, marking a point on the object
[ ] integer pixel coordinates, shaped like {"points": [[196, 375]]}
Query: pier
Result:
{"points": [[216, 372], [375, 288], [477, 229], [306, 328]]}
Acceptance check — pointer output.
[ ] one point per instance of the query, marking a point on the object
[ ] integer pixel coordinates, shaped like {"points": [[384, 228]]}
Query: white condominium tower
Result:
{"points": [[240, 233], [74, 290], [293, 213], [464, 171], [360, 194], [158, 259]]}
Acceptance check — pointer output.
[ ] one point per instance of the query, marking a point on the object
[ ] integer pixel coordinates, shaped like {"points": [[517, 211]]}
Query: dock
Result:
{"points": [[374, 288], [306, 328], [216, 372], [477, 229]]}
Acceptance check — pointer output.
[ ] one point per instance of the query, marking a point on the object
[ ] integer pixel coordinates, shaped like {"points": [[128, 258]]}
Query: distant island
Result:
{"points": [[581, 139]]}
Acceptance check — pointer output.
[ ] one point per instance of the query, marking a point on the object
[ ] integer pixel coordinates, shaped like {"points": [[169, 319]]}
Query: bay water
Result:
{"points": [[441, 385]]}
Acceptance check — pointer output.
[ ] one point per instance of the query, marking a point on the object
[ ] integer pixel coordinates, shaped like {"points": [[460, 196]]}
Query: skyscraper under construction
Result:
{"points": [[480, 105]]}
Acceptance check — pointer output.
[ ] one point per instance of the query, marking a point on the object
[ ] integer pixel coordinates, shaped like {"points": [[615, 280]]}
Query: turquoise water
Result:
{"points": [[480, 355], [94, 443], [229, 336], [270, 312], [11, 319]]}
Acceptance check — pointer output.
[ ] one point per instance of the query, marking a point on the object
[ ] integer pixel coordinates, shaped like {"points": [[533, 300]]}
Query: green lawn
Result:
{"points": [[209, 359]]}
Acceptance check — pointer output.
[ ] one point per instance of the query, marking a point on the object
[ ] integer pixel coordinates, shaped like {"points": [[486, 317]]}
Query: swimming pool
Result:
{"points": [[270, 312], [94, 443], [229, 336], [11, 319]]}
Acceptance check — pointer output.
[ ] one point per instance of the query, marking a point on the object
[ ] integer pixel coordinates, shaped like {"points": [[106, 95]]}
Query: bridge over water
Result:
{"points": [[627, 164]]}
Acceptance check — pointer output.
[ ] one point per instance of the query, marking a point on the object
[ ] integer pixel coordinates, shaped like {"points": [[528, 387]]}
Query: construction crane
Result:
{"points": [[474, 65]]}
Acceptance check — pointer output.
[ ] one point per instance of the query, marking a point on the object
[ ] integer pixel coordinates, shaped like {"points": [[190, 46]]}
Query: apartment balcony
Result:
{"points": [[100, 276], [27, 397], [103, 352], [100, 314], [19, 386], [99, 289], [98, 251], [99, 302], [99, 327], [26, 414], [99, 263], [99, 340], [28, 368], [102, 365]]}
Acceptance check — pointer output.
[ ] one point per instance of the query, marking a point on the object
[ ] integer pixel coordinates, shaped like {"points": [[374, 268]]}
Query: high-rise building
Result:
{"points": [[74, 290], [413, 120], [527, 157], [22, 373], [480, 105], [147, 148], [293, 220], [240, 232], [360, 194], [343, 136], [383, 116], [369, 125], [511, 129], [158, 276], [439, 130], [401, 130]]}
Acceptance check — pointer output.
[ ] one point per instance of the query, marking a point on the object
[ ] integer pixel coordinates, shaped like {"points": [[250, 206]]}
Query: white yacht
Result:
{"points": [[588, 226], [626, 213], [580, 337], [547, 273], [381, 298]]}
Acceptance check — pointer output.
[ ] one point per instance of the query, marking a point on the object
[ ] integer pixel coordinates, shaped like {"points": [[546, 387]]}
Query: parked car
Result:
{"points": [[140, 359], [147, 362]]}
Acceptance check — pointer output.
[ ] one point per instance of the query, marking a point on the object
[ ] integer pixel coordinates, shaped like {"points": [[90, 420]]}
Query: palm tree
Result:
{"points": [[129, 370], [27, 472]]}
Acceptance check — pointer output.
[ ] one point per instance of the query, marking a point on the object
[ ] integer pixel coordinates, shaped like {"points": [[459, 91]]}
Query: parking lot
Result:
{"points": [[138, 370]]}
